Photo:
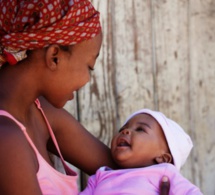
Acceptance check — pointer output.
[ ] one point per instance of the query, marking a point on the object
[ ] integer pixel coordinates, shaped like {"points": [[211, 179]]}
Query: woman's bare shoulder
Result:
{"points": [[18, 162], [13, 142]]}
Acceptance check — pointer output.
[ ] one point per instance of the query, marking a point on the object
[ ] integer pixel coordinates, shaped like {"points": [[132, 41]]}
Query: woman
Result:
{"points": [[47, 51]]}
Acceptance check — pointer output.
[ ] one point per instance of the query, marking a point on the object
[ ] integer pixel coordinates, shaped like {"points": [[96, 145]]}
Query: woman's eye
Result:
{"points": [[90, 68]]}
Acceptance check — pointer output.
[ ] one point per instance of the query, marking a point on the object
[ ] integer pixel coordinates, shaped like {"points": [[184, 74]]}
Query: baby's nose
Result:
{"points": [[126, 131]]}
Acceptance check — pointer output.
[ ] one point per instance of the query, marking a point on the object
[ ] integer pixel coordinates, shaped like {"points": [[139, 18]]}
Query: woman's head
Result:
{"points": [[68, 69], [28, 25], [61, 38]]}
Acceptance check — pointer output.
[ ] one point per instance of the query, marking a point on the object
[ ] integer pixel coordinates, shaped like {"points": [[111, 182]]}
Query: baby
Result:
{"points": [[148, 146]]}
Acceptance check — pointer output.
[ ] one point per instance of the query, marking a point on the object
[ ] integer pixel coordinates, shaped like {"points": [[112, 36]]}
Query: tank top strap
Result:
{"points": [[66, 167], [22, 127], [8, 115]]}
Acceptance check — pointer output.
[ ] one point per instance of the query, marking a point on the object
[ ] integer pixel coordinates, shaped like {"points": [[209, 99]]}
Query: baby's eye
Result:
{"points": [[140, 129]]}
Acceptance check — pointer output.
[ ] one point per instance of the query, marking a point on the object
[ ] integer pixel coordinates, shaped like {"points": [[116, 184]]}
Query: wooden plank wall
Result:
{"points": [[158, 54]]}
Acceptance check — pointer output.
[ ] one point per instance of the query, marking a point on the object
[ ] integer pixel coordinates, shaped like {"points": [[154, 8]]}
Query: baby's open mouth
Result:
{"points": [[122, 143]]}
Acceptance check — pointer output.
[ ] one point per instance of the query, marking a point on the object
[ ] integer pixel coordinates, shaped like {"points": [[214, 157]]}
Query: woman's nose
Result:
{"points": [[126, 131]]}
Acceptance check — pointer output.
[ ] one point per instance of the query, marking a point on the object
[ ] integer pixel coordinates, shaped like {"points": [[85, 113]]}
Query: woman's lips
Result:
{"points": [[71, 96]]}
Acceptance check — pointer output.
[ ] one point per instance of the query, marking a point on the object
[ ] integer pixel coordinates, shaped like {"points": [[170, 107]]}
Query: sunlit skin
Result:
{"points": [[50, 72], [140, 143], [54, 73], [72, 70]]}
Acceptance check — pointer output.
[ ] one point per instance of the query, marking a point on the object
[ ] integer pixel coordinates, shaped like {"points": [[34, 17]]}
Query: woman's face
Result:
{"points": [[74, 69], [138, 142]]}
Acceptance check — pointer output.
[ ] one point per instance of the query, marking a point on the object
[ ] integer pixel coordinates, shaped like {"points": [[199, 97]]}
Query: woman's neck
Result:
{"points": [[16, 91]]}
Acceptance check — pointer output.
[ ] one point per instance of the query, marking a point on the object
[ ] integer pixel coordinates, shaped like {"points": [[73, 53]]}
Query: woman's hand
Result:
{"points": [[164, 186]]}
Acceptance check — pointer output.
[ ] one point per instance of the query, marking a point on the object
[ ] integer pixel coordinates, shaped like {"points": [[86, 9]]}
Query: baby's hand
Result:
{"points": [[164, 186]]}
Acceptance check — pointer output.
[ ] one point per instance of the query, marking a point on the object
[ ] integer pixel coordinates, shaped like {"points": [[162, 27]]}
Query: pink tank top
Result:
{"points": [[50, 180]]}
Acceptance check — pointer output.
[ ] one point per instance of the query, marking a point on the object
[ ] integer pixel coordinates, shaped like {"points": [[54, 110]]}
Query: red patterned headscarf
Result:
{"points": [[32, 24]]}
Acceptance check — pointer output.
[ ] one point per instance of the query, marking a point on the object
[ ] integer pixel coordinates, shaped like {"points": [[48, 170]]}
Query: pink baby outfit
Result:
{"points": [[50, 180], [138, 181]]}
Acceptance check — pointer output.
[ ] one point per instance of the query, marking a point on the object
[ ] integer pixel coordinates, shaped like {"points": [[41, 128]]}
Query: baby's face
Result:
{"points": [[138, 142]]}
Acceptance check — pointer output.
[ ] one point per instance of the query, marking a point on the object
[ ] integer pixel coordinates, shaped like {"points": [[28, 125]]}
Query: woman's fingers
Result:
{"points": [[164, 186]]}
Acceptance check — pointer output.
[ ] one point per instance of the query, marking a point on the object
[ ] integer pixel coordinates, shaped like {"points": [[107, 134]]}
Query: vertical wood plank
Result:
{"points": [[133, 56], [171, 43], [170, 22], [97, 99], [202, 93]]}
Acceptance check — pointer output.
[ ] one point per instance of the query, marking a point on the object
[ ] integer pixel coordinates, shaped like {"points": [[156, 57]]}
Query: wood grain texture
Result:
{"points": [[133, 56], [172, 64], [97, 99], [202, 94], [160, 55]]}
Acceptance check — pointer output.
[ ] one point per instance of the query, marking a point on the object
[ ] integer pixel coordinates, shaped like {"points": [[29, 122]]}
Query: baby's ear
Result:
{"points": [[164, 158]]}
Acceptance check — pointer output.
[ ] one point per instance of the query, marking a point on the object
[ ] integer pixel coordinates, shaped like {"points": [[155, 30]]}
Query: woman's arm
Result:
{"points": [[78, 146]]}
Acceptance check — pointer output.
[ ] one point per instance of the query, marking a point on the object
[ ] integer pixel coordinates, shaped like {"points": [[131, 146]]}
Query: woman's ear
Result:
{"points": [[52, 57], [164, 158]]}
